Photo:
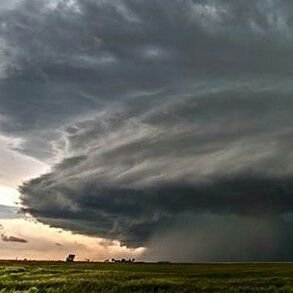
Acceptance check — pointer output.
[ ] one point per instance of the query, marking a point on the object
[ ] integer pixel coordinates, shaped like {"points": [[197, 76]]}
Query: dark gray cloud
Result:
{"points": [[155, 110], [132, 214], [210, 237], [6, 238]]}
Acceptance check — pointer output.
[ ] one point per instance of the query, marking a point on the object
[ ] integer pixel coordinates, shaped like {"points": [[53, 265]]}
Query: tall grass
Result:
{"points": [[40, 277]]}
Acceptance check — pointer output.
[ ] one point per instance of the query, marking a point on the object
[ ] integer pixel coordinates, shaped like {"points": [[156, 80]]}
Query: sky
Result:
{"points": [[159, 129]]}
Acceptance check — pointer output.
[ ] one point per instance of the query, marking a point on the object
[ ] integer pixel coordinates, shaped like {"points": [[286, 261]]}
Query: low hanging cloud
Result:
{"points": [[156, 111], [6, 238], [11, 238]]}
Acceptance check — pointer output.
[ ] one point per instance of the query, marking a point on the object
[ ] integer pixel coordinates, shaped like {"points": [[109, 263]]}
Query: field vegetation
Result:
{"points": [[101, 277]]}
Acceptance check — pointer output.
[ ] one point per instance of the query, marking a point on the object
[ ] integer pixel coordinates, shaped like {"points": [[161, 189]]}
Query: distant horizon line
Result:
{"points": [[149, 262]]}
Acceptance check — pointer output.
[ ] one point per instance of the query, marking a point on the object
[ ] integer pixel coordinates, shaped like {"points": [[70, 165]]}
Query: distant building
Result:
{"points": [[70, 258]]}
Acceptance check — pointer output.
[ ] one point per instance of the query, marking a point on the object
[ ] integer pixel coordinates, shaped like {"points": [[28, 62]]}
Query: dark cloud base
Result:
{"points": [[133, 215]]}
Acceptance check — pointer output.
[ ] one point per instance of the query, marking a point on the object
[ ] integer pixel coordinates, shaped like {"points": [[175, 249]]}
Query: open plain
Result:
{"points": [[78, 277]]}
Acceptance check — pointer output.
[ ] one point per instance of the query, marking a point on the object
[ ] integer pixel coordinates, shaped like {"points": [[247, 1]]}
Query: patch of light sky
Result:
{"points": [[57, 243], [15, 169]]}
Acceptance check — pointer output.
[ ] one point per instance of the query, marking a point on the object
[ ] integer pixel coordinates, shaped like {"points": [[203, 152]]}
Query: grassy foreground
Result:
{"points": [[99, 277]]}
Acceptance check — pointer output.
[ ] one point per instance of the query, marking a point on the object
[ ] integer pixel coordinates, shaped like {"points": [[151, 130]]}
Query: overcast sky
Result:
{"points": [[162, 127]]}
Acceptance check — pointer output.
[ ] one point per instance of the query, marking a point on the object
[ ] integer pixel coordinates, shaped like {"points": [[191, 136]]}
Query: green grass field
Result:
{"points": [[99, 277]]}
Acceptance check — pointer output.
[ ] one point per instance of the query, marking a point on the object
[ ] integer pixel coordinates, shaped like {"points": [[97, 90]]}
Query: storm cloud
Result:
{"points": [[152, 112]]}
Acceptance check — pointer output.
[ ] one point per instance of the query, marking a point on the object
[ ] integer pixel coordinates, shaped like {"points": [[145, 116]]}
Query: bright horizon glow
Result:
{"points": [[8, 196], [56, 244]]}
